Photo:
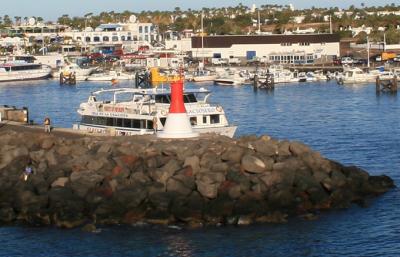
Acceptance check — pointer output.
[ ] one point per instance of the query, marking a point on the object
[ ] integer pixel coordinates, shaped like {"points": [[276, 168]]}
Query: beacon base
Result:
{"points": [[177, 125]]}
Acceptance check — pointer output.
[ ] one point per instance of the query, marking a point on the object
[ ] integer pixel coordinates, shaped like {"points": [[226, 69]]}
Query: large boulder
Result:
{"points": [[253, 164]]}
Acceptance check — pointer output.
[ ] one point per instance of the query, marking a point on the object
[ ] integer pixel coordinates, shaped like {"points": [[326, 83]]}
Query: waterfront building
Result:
{"points": [[276, 48], [130, 33]]}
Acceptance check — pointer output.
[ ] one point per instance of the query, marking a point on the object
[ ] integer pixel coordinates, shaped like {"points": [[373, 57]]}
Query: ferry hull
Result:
{"points": [[228, 131], [25, 77]]}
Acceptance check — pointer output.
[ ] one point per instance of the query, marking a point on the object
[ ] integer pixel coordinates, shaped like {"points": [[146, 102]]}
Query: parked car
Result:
{"points": [[397, 58], [337, 61], [347, 60], [233, 60], [360, 61], [219, 61]]}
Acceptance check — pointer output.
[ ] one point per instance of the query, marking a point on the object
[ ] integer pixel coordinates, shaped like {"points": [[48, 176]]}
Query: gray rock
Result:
{"points": [[207, 190], [220, 167], [233, 154], [284, 149], [164, 173], [176, 185], [60, 182], [266, 147], [235, 192], [194, 162], [63, 150], [48, 143], [297, 148], [104, 148], [253, 164], [208, 159]]}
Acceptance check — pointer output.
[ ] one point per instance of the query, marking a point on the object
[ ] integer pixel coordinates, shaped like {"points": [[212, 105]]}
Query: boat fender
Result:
{"points": [[340, 81], [164, 112], [219, 108]]}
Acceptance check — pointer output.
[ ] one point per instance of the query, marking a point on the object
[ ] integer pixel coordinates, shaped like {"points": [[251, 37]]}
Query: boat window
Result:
{"points": [[26, 67], [204, 119], [118, 123], [190, 98], [149, 124], [127, 123], [163, 121], [110, 122], [135, 123], [214, 119], [164, 99], [193, 121]]}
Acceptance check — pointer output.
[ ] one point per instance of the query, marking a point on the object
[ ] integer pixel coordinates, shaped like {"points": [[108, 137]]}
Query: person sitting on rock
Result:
{"points": [[27, 171], [47, 125]]}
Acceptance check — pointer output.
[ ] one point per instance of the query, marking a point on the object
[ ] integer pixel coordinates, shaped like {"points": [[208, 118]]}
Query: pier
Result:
{"points": [[386, 85], [264, 83], [67, 78]]}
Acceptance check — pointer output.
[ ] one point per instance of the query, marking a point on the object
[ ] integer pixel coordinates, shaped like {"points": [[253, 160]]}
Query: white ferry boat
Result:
{"points": [[134, 111], [19, 71]]}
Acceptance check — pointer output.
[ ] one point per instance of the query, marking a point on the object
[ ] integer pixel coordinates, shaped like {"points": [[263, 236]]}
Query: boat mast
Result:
{"points": [[202, 36]]}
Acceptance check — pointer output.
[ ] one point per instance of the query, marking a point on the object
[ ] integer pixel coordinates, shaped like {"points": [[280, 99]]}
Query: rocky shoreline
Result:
{"points": [[82, 180]]}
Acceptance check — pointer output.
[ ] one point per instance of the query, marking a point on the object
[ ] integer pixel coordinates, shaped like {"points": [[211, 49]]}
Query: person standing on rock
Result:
{"points": [[47, 125], [155, 125]]}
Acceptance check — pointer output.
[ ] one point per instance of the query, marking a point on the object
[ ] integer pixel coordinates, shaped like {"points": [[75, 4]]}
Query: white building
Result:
{"points": [[118, 33], [115, 33], [277, 48]]}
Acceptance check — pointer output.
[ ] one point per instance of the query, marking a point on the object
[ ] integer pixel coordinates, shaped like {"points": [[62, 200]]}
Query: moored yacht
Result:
{"points": [[356, 75], [111, 75], [21, 70], [230, 77], [202, 75], [129, 111]]}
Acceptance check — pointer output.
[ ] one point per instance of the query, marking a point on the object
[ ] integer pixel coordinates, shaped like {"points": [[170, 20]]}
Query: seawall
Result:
{"points": [[79, 179]]}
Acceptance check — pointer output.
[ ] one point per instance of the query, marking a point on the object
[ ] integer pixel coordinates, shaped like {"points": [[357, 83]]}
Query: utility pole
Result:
{"points": [[330, 24], [384, 41], [368, 52], [259, 23], [202, 37]]}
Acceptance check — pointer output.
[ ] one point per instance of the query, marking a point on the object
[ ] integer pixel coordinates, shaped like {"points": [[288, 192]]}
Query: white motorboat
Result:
{"points": [[203, 76], [80, 73], [133, 112], [280, 74], [306, 77], [356, 75], [230, 77], [110, 76], [386, 75], [320, 76], [21, 70]]}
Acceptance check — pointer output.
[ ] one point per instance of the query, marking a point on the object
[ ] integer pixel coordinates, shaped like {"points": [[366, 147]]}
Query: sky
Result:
{"points": [[52, 9]]}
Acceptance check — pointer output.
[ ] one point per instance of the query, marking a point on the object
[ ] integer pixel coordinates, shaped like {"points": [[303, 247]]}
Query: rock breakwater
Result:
{"points": [[81, 180]]}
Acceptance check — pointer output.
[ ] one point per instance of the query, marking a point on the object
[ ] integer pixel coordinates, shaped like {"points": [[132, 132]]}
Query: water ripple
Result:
{"points": [[349, 124]]}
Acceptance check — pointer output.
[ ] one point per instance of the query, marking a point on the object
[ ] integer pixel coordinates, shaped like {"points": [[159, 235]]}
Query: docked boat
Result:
{"points": [[306, 77], [203, 76], [110, 76], [131, 111], [229, 77], [21, 70], [280, 74], [79, 72], [355, 76]]}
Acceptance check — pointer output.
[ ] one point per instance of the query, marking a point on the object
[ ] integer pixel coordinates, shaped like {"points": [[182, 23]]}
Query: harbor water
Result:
{"points": [[350, 124]]}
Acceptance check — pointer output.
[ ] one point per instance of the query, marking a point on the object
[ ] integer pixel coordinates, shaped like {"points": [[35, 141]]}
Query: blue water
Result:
{"points": [[350, 124]]}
